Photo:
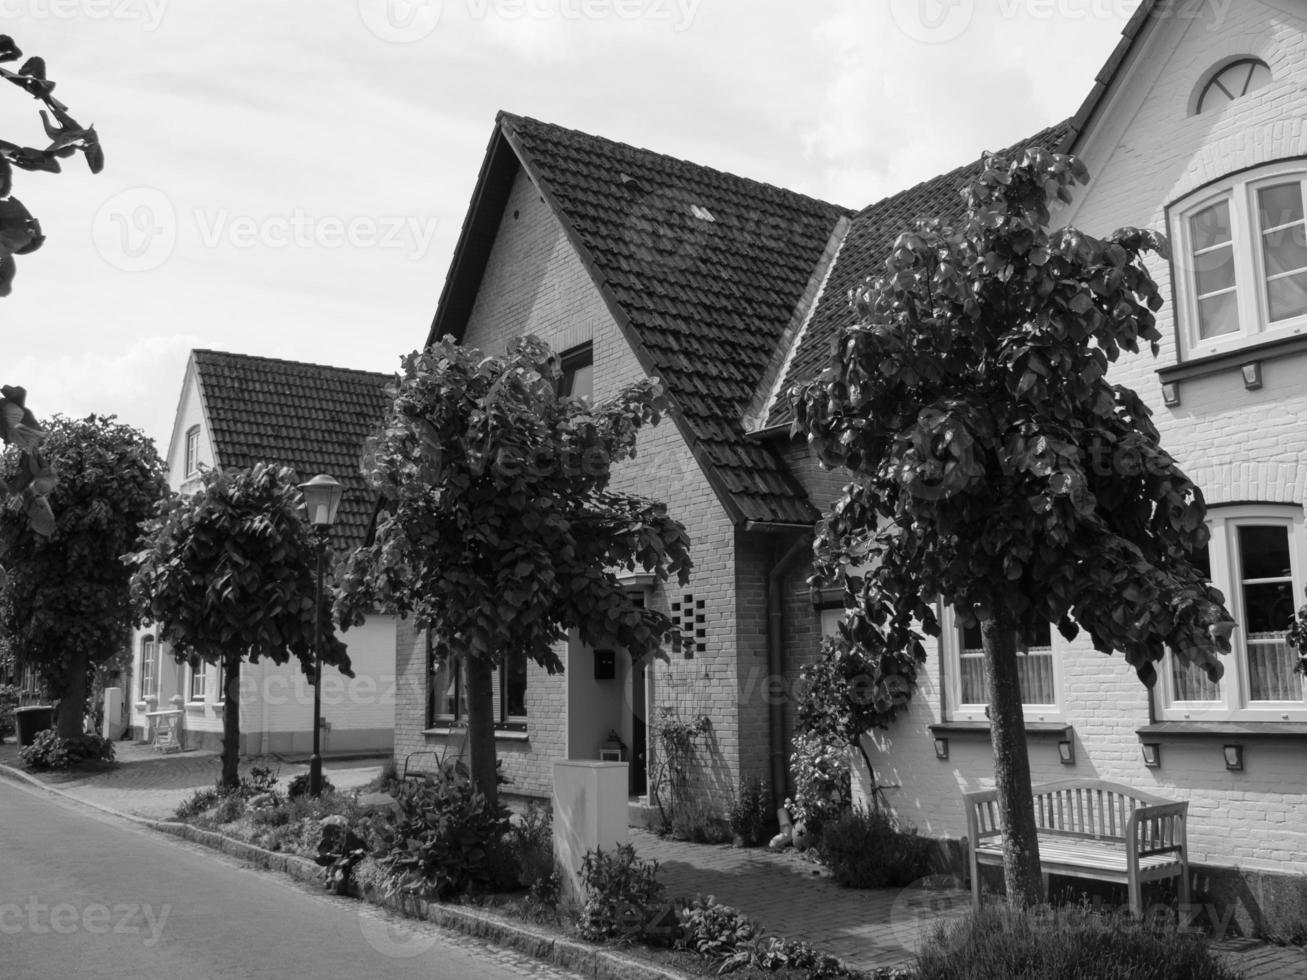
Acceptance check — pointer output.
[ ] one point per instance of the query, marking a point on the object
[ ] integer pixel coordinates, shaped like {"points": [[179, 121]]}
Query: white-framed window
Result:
{"points": [[220, 695], [149, 667], [447, 695], [578, 373], [192, 450], [1241, 260], [1230, 81], [199, 679], [1256, 558], [1039, 667]]}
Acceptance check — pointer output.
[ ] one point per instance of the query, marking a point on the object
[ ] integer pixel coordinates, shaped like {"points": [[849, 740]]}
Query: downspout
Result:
{"points": [[776, 667]]}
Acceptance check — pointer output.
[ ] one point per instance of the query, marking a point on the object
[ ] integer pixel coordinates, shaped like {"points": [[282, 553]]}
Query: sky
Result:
{"points": [[288, 178]]}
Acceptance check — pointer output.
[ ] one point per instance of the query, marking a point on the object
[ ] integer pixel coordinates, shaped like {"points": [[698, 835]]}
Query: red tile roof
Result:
{"points": [[310, 417]]}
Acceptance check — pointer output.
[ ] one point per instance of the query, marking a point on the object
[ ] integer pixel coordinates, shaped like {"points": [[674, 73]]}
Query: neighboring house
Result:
{"points": [[634, 264], [236, 410]]}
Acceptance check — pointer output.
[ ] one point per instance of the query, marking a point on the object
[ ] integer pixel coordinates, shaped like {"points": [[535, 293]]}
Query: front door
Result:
{"points": [[639, 733]]}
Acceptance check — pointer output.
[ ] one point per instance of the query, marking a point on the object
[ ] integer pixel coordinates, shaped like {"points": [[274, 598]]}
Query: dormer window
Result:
{"points": [[1231, 82]]}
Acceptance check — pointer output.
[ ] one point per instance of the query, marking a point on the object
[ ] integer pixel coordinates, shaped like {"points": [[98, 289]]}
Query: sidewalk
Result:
{"points": [[788, 895]]}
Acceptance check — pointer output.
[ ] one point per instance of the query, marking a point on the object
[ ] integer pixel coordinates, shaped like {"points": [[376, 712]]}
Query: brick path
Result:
{"points": [[866, 929]]}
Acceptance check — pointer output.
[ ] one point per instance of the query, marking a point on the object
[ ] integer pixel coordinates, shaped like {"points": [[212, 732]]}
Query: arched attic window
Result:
{"points": [[1232, 81]]}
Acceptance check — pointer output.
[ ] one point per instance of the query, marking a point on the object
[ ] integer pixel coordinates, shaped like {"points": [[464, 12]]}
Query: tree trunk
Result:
{"points": [[481, 726], [72, 699], [231, 723], [1021, 872]]}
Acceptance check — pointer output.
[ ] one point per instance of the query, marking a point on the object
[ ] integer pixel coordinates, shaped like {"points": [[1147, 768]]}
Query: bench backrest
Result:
{"points": [[1089, 808]]}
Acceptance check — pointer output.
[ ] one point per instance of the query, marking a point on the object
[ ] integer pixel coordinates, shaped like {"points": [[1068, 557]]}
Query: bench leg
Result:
{"points": [[1136, 898], [975, 882], [1184, 885]]}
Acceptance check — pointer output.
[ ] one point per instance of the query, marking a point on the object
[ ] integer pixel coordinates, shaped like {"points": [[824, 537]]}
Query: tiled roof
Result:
{"points": [[863, 254], [707, 270], [310, 417]]}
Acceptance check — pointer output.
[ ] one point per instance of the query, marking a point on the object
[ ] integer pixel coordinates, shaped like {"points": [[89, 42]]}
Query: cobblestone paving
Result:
{"points": [[866, 929]]}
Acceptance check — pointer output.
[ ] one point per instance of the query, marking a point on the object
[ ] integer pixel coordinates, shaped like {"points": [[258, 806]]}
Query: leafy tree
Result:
{"points": [[66, 603], [229, 574], [500, 532], [995, 465], [20, 233]]}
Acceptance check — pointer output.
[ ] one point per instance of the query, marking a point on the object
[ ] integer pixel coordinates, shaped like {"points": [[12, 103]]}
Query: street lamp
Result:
{"points": [[322, 499]]}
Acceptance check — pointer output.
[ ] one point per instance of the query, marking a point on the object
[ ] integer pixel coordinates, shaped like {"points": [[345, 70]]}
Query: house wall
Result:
{"points": [[1238, 445], [276, 713], [535, 282]]}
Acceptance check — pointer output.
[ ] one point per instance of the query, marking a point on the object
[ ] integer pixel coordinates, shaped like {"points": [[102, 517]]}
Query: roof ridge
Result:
{"points": [[958, 170], [514, 119], [289, 363]]}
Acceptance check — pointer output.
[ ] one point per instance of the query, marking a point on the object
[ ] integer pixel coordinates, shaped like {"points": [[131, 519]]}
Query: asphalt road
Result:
{"points": [[84, 895]]}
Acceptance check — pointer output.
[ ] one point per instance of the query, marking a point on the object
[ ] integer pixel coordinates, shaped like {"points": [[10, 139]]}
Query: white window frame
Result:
{"points": [[1255, 327], [951, 648], [192, 460], [198, 673], [149, 667], [1233, 704]]}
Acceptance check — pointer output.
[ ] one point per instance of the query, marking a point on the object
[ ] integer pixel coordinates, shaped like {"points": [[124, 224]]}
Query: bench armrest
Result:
{"points": [[1158, 829], [982, 814]]}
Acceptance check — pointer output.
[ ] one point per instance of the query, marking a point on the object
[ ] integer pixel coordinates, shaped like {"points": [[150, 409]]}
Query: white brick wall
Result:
{"points": [[1239, 445]]}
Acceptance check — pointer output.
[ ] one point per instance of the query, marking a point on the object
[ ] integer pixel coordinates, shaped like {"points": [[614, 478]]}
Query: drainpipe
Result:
{"points": [[776, 666]]}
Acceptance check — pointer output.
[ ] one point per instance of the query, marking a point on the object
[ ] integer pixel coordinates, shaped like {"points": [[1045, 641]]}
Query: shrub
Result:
{"points": [[530, 845], [257, 781], [751, 817], [999, 943], [864, 849], [447, 839], [49, 751], [299, 786], [713, 929], [822, 784], [201, 801], [8, 702], [624, 897], [339, 850]]}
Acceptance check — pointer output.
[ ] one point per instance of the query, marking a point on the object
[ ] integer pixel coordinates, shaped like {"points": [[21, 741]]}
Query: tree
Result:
{"points": [[995, 465], [65, 603], [20, 233], [499, 531], [229, 574]]}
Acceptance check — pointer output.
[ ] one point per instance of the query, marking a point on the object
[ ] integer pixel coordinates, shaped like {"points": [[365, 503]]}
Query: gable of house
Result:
{"points": [[704, 272]]}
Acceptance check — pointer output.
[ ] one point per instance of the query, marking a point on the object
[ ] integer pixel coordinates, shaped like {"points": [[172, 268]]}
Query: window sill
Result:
{"points": [[501, 734], [1224, 729], [980, 729], [1231, 360], [196, 705]]}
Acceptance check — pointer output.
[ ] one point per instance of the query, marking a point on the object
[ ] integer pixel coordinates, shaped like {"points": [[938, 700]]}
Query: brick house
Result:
{"points": [[234, 411], [637, 264]]}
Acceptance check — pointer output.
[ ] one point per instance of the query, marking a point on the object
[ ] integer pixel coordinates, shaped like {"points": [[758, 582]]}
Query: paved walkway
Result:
{"points": [[787, 894]]}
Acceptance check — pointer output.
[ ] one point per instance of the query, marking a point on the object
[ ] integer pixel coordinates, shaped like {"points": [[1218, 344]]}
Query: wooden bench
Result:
{"points": [[1089, 828]]}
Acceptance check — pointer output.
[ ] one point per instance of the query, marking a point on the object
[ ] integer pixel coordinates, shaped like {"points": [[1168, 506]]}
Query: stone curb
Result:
{"points": [[579, 957]]}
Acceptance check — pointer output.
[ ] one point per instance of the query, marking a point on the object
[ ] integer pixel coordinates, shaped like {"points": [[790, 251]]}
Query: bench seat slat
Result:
{"points": [[1085, 853]]}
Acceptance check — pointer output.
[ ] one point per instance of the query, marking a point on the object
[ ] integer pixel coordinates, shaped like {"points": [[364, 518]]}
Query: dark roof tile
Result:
{"points": [[310, 417]]}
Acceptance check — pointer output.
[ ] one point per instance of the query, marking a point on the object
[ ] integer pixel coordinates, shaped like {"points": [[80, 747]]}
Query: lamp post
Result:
{"points": [[322, 499]]}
